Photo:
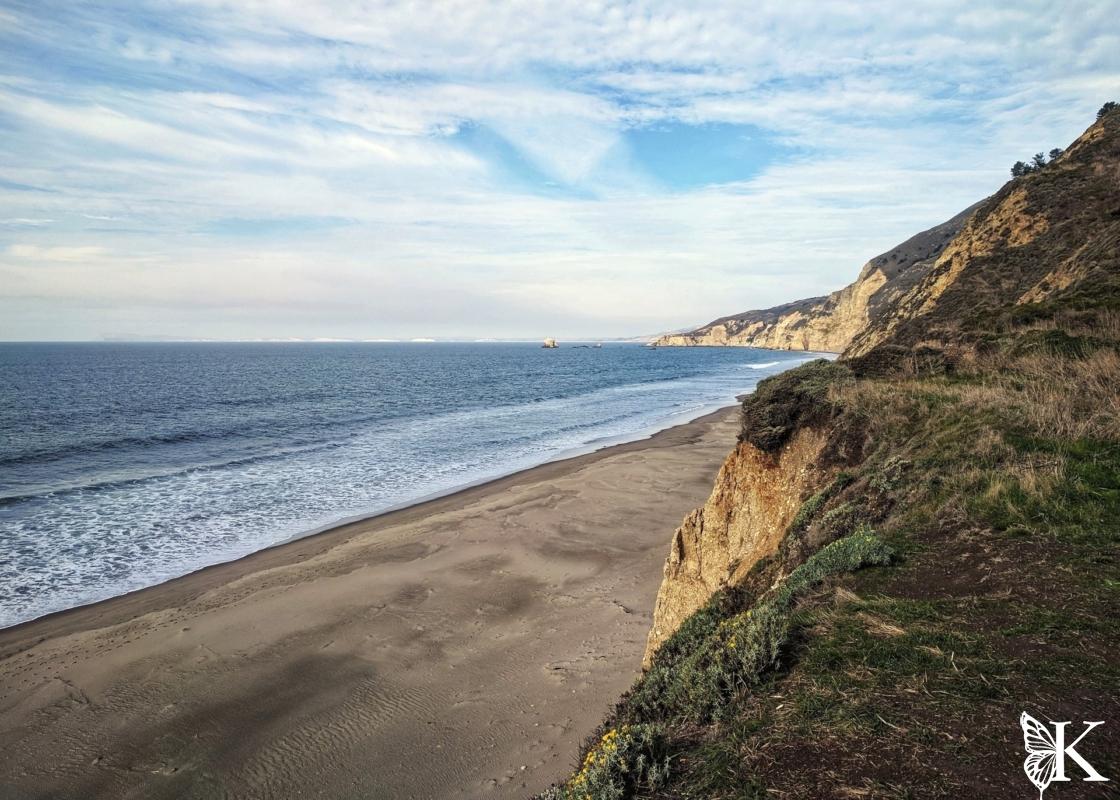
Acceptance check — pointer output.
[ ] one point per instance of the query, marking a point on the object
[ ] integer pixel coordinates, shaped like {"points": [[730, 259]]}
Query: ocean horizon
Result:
{"points": [[124, 465]]}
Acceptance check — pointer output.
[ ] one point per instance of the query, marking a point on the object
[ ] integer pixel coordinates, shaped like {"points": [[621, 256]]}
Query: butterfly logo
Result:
{"points": [[1046, 752]]}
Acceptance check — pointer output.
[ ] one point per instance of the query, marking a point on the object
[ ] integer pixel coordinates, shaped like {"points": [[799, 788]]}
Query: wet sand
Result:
{"points": [[458, 648]]}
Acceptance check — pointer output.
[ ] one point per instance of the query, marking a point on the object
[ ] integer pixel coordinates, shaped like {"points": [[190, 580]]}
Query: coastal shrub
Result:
{"points": [[862, 548], [782, 403], [893, 360], [839, 518], [625, 760], [889, 476], [1052, 342], [813, 505], [702, 623], [698, 684]]}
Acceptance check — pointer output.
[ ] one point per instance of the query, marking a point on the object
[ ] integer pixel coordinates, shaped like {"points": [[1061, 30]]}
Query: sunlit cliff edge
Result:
{"points": [[828, 324], [911, 545]]}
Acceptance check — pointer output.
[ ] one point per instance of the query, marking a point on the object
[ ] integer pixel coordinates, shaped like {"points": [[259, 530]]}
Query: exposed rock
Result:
{"points": [[756, 496], [828, 324], [1048, 240], [1042, 240], [1044, 249]]}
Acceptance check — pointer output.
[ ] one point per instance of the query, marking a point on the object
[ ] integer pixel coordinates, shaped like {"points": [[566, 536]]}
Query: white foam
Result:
{"points": [[77, 547]]}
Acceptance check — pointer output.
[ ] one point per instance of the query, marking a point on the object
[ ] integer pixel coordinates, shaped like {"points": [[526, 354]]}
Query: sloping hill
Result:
{"points": [[827, 324], [1026, 252], [1042, 251]]}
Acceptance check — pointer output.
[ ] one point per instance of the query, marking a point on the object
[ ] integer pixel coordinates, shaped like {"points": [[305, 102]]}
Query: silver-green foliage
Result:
{"points": [[623, 760], [702, 668]]}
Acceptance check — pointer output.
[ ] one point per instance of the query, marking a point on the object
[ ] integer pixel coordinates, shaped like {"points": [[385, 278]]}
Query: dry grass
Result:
{"points": [[1103, 325], [877, 626], [1052, 396], [986, 479], [1072, 398]]}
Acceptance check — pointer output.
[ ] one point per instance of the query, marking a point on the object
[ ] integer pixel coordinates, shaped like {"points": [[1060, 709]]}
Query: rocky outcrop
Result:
{"points": [[828, 324], [755, 498], [1044, 239], [1041, 254], [1047, 241]]}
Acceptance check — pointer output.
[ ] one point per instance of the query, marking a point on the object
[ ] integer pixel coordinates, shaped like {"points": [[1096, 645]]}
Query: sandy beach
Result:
{"points": [[462, 647]]}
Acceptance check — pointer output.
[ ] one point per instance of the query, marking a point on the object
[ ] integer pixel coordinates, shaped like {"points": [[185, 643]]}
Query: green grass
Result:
{"points": [[698, 673], [1084, 505], [1004, 591]]}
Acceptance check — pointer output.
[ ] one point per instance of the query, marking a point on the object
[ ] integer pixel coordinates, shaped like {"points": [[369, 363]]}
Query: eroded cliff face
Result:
{"points": [[1050, 239], [756, 497], [1042, 253], [824, 325], [828, 324], [1008, 224]]}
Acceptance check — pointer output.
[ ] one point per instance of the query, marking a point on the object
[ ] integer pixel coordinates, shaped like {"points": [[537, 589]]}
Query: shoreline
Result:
{"points": [[389, 515], [154, 577], [568, 453], [484, 632]]}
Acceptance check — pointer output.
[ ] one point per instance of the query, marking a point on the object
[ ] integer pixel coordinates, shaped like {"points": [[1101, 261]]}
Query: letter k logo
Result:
{"points": [[1046, 753]]}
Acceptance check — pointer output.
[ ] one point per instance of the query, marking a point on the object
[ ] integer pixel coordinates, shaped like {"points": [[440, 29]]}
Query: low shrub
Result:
{"points": [[889, 475], [696, 682], [626, 759], [1055, 342], [838, 519], [862, 548], [793, 399], [810, 508]]}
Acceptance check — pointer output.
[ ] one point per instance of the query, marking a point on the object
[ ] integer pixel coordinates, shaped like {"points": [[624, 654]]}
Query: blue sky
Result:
{"points": [[251, 169]]}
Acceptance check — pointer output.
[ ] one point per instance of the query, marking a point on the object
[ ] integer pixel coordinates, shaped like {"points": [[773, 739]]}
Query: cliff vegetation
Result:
{"points": [[913, 545]]}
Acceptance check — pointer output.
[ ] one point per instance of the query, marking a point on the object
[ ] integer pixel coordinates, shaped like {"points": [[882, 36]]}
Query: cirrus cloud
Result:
{"points": [[485, 169]]}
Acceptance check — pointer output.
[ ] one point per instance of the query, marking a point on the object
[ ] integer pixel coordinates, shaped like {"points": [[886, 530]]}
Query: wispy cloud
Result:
{"points": [[367, 169], [25, 222]]}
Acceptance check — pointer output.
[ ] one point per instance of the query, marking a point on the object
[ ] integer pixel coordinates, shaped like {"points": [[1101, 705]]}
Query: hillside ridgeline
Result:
{"points": [[828, 324]]}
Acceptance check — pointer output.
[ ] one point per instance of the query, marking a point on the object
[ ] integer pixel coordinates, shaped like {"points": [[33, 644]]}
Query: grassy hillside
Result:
{"points": [[1044, 251], [961, 564]]}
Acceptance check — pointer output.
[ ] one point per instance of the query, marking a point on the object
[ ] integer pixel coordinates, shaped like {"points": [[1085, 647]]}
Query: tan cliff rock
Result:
{"points": [[1045, 245], [1043, 236], [828, 324], [755, 498], [1049, 237], [1010, 224]]}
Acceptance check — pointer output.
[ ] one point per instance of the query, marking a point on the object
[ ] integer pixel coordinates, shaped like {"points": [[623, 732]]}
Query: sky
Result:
{"points": [[241, 169]]}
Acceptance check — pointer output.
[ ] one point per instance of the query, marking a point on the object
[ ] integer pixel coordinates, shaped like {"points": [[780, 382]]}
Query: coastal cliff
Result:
{"points": [[828, 324], [1045, 241], [910, 545], [755, 499], [1043, 247]]}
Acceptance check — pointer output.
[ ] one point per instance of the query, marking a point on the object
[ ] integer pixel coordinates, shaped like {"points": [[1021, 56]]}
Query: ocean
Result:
{"points": [[125, 465]]}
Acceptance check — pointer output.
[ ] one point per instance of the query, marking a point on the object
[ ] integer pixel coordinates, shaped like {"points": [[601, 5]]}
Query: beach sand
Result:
{"points": [[462, 647]]}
